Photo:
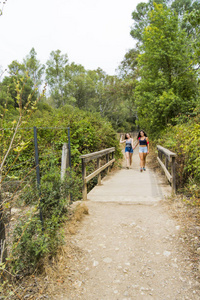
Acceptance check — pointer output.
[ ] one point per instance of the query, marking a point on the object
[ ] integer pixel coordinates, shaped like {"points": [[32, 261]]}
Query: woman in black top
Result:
{"points": [[143, 142]]}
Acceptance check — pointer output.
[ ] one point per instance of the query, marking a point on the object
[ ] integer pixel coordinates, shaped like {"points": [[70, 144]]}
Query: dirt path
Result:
{"points": [[129, 247]]}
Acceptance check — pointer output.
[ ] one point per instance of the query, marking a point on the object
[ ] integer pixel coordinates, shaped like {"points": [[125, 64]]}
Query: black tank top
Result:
{"points": [[143, 142]]}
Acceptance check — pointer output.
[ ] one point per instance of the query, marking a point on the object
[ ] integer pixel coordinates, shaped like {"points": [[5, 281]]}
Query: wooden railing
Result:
{"points": [[95, 155], [169, 161]]}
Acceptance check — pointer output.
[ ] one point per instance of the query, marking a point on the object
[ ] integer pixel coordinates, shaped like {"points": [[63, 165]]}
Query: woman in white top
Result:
{"points": [[128, 149]]}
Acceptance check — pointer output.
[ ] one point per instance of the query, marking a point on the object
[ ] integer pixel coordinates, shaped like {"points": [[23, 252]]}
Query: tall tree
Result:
{"points": [[168, 83], [141, 15], [193, 18], [56, 76], [34, 68]]}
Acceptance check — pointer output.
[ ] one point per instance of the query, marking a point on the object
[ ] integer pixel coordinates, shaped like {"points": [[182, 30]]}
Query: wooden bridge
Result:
{"points": [[128, 186]]}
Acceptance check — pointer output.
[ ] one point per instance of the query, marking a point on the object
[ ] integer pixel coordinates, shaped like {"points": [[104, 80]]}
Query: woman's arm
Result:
{"points": [[136, 145], [147, 145], [122, 141]]}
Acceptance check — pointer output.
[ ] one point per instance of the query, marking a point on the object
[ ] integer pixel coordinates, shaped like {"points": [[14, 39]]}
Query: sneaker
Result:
{"points": [[141, 169], [144, 169]]}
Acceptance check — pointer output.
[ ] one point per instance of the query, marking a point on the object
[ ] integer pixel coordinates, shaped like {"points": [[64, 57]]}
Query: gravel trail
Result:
{"points": [[129, 246]]}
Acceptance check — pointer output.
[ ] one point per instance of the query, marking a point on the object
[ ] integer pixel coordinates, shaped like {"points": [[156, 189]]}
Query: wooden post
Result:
{"points": [[173, 172], [112, 157], [166, 162], [107, 160], [99, 175], [161, 156], [65, 165], [38, 172], [64, 161], [84, 188]]}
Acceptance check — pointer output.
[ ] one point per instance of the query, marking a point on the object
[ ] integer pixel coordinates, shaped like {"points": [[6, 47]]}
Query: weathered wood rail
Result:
{"points": [[95, 155], [169, 160]]}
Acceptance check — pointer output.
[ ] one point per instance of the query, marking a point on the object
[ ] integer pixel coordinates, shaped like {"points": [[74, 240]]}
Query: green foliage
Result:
{"points": [[88, 90], [29, 245], [70, 84], [143, 9], [184, 139], [12, 87], [35, 238], [89, 132], [33, 67], [168, 85]]}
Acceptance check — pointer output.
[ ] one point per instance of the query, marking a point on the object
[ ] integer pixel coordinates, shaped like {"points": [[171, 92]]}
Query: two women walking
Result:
{"points": [[143, 142]]}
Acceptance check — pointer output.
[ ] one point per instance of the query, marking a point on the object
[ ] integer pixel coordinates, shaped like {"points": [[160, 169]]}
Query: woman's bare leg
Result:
{"points": [[141, 160], [127, 159], [131, 154]]}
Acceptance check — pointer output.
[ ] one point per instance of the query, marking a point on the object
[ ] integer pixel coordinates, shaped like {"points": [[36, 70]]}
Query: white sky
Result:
{"points": [[94, 33]]}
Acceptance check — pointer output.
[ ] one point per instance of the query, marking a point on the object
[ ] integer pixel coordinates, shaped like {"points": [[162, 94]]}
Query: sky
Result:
{"points": [[93, 33]]}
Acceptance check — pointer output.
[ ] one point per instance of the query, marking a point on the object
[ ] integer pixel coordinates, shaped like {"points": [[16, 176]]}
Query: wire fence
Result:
{"points": [[33, 161]]}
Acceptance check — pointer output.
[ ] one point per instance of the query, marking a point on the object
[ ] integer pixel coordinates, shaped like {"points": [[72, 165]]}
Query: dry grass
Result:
{"points": [[189, 219], [77, 216]]}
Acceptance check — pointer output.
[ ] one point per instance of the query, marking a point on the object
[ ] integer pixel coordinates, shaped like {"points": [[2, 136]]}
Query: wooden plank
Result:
{"points": [[99, 175], [96, 172], [169, 176], [95, 155], [166, 152]]}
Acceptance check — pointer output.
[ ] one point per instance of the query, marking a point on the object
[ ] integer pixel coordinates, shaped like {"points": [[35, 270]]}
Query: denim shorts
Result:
{"points": [[129, 149], [143, 149]]}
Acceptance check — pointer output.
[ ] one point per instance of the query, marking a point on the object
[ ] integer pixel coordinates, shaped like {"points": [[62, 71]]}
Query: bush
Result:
{"points": [[184, 140], [30, 244], [35, 237]]}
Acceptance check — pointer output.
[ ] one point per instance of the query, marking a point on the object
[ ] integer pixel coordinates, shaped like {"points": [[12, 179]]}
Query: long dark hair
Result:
{"points": [[140, 135], [126, 138]]}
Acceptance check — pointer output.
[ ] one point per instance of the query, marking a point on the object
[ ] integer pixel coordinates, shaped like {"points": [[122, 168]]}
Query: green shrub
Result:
{"points": [[184, 140], [30, 244]]}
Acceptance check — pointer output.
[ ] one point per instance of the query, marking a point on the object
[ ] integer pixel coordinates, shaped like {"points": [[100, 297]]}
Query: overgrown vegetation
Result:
{"points": [[184, 139]]}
